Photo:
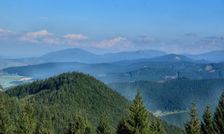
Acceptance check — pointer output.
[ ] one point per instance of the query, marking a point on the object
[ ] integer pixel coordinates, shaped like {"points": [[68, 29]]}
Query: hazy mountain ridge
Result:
{"points": [[83, 56], [213, 56], [126, 71], [80, 55]]}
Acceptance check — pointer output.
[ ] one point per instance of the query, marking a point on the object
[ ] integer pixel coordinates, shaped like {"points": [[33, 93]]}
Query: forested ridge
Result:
{"points": [[175, 94], [75, 103]]}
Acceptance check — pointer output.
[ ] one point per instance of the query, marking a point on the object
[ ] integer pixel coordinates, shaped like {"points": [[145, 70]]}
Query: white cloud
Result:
{"points": [[45, 37], [37, 34], [35, 37], [114, 42], [5, 32], [75, 37]]}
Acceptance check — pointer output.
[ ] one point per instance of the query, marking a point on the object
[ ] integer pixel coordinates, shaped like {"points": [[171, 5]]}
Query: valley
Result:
{"points": [[111, 67]]}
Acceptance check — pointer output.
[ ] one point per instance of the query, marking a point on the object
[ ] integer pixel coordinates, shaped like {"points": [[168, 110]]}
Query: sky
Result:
{"points": [[35, 27]]}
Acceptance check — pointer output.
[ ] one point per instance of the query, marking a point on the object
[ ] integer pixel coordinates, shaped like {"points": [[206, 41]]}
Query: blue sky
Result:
{"points": [[111, 25]]}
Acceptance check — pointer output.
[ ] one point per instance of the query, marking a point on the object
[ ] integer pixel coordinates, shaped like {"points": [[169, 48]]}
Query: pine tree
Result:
{"points": [[193, 126], [121, 129], [137, 121], [207, 124], [156, 127], [219, 116], [79, 125], [104, 126]]}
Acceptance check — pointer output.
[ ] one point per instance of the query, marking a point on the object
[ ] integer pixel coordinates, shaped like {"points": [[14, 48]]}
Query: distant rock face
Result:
{"points": [[177, 58], [209, 68]]}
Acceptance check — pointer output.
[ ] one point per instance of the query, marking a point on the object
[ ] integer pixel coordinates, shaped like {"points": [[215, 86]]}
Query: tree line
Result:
{"points": [[212, 123], [137, 121]]}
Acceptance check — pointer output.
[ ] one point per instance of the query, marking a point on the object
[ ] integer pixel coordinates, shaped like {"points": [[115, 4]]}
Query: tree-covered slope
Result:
{"points": [[174, 94], [59, 98], [72, 93], [174, 97]]}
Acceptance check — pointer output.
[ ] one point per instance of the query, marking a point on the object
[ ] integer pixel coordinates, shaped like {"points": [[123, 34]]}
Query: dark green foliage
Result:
{"points": [[156, 127], [193, 126], [140, 121], [104, 126], [26, 122], [137, 121], [79, 125], [44, 126], [207, 126], [174, 95], [122, 129], [16, 117], [4, 116], [67, 94], [168, 95], [219, 116], [1, 88], [47, 106]]}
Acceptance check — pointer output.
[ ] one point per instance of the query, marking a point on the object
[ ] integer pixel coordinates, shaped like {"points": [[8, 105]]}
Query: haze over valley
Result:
{"points": [[112, 67]]}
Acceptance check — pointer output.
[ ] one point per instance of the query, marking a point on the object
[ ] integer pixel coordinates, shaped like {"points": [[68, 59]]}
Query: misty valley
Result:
{"points": [[111, 67]]}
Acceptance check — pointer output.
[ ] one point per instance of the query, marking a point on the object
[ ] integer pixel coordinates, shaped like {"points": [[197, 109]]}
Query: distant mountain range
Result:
{"points": [[83, 56], [156, 69], [79, 55], [4, 63], [214, 56]]}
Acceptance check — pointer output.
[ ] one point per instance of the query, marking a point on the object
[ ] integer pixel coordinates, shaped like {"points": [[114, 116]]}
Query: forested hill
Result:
{"points": [[59, 98], [70, 93]]}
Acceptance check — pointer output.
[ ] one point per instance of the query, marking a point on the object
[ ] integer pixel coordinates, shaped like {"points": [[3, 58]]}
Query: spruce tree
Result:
{"points": [[104, 126], [121, 129], [137, 121], [79, 125], [156, 127], [219, 116], [207, 126], [193, 126]]}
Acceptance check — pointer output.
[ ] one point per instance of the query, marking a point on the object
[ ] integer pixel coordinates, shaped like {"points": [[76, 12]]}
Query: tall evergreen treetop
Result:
{"points": [[219, 116], [207, 126], [156, 127], [104, 126], [137, 121], [193, 126]]}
